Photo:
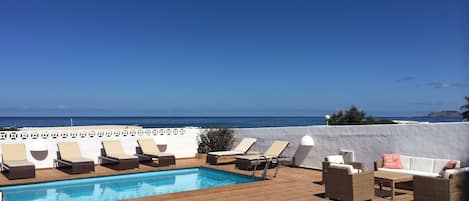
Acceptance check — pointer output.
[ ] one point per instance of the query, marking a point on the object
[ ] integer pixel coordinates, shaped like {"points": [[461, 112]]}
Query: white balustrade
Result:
{"points": [[180, 141], [66, 134]]}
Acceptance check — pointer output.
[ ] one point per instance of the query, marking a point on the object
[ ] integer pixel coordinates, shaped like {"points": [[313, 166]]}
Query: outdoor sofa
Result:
{"points": [[453, 186], [418, 166], [15, 164]]}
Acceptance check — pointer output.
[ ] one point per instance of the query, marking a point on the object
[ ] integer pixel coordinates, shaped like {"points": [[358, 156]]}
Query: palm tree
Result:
{"points": [[465, 109]]}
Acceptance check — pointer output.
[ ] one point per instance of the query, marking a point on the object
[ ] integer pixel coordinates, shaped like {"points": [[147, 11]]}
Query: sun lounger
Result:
{"points": [[70, 160], [147, 151], [248, 162], [15, 165], [230, 156], [114, 157]]}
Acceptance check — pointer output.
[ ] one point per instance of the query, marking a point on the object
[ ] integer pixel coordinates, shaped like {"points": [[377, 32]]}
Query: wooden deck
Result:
{"points": [[293, 184]]}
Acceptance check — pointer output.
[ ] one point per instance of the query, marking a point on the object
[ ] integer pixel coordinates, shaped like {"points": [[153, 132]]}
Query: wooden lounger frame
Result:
{"points": [[117, 164], [216, 160], [73, 168], [148, 159], [20, 172], [16, 152]]}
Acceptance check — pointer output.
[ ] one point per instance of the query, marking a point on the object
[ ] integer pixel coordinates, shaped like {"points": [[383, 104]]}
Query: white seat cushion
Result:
{"points": [[411, 172], [339, 159], [350, 168], [421, 164], [405, 160]]}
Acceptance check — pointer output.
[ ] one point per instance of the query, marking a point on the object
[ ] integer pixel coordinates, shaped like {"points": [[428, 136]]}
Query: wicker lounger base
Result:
{"points": [[22, 172], [215, 160], [122, 164], [245, 164], [162, 160], [75, 168]]}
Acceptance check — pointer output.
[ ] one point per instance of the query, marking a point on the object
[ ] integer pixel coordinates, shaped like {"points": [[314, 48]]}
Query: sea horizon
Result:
{"points": [[189, 121]]}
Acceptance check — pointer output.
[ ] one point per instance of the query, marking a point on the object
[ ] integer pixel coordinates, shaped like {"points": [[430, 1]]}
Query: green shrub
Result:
{"points": [[216, 139], [465, 109], [354, 116], [9, 129]]}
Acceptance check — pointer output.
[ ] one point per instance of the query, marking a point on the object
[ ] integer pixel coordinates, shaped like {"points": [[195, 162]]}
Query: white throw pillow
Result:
{"points": [[339, 159], [349, 168]]}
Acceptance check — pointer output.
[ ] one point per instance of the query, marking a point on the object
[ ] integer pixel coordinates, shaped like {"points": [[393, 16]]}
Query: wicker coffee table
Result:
{"points": [[391, 178]]}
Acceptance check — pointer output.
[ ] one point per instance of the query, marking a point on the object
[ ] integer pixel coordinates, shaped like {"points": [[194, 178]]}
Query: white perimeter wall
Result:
{"points": [[180, 141], [435, 140]]}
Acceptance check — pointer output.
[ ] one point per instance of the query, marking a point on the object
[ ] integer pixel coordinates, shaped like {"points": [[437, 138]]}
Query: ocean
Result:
{"points": [[177, 122]]}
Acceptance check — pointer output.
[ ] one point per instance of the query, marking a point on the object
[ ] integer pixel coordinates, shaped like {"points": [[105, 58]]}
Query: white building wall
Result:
{"points": [[434, 140]]}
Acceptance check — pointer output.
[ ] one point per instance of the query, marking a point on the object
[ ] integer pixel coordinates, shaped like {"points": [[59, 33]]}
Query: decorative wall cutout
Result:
{"points": [[54, 134]]}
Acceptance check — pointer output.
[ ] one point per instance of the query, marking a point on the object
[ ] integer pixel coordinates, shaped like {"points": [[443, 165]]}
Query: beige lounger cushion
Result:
{"points": [[276, 149], [251, 157], [77, 160], [226, 153], [113, 147], [245, 145], [148, 146], [13, 152], [69, 150], [241, 149], [18, 163], [273, 151], [122, 156]]}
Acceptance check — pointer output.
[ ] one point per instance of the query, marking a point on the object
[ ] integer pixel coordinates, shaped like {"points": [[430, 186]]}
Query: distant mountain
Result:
{"points": [[451, 114]]}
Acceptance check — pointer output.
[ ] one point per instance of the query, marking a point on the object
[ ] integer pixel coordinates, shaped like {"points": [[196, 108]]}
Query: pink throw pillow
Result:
{"points": [[392, 161], [449, 165]]}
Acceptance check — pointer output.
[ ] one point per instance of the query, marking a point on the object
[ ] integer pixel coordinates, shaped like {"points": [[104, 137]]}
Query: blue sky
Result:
{"points": [[232, 57]]}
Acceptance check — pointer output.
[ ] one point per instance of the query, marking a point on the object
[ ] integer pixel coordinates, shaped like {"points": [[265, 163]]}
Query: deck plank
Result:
{"points": [[295, 184]]}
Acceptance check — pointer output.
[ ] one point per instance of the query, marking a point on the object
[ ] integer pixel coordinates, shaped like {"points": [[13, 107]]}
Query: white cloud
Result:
{"points": [[443, 85]]}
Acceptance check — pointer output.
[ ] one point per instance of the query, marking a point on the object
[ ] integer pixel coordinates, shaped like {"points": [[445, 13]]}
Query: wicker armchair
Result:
{"points": [[326, 164], [340, 184], [454, 188]]}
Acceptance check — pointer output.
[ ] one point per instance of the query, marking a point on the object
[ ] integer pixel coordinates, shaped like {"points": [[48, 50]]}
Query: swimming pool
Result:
{"points": [[111, 188]]}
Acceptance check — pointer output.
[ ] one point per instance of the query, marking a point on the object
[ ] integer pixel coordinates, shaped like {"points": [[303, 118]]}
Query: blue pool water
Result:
{"points": [[127, 186]]}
